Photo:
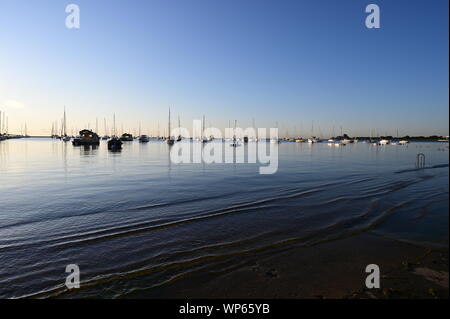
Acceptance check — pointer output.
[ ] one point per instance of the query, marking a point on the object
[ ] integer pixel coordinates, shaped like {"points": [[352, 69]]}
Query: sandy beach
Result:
{"points": [[331, 270]]}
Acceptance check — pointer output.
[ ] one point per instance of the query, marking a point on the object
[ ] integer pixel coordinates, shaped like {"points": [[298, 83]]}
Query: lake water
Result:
{"points": [[134, 220]]}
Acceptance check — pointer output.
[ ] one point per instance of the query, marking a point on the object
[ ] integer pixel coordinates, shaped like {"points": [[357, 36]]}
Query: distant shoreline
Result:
{"points": [[411, 139]]}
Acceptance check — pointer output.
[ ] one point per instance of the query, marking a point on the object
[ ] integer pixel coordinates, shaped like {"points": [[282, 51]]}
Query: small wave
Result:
{"points": [[420, 169], [346, 228]]}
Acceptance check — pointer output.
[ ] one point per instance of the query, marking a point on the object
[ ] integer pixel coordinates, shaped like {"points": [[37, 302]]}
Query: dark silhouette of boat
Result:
{"points": [[170, 140], [86, 138], [126, 137], [115, 144]]}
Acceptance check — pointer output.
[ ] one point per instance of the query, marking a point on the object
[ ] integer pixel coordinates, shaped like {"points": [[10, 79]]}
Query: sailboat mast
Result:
{"points": [[168, 132], [4, 123], [203, 128], [64, 120]]}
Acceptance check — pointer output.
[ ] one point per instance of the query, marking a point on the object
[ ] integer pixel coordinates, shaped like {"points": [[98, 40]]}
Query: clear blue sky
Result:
{"points": [[288, 61]]}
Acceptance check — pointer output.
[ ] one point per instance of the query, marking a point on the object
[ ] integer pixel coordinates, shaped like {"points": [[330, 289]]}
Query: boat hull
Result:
{"points": [[81, 142], [114, 145]]}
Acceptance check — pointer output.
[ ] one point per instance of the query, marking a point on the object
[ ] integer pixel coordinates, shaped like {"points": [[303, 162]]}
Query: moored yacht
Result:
{"points": [[86, 137], [347, 141], [126, 137], [144, 139], [313, 140], [114, 144]]}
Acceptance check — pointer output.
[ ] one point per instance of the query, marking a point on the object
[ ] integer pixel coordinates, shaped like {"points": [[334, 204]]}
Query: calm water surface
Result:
{"points": [[133, 220]]}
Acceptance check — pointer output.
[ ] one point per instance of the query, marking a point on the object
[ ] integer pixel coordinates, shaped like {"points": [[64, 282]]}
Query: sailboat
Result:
{"points": [[402, 141], [275, 140], [170, 140], [114, 144], [64, 133], [332, 139], [313, 139], [204, 139], [235, 143], [142, 137]]}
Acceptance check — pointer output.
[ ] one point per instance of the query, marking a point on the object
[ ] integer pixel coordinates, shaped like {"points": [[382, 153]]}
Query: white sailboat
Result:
{"points": [[275, 140], [312, 139]]}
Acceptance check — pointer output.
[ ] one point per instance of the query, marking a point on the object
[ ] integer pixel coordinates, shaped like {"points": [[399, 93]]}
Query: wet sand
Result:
{"points": [[333, 269]]}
